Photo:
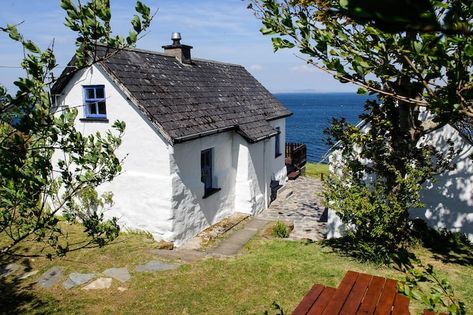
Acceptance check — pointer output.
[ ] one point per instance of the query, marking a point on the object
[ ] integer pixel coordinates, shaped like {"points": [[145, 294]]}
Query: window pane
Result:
{"points": [[90, 93], [100, 93], [92, 108], [102, 109]]}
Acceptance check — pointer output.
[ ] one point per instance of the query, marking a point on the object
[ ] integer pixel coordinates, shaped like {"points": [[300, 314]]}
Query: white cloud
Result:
{"points": [[256, 67], [303, 69]]}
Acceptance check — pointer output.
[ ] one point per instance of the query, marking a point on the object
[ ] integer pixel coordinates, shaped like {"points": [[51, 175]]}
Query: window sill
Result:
{"points": [[277, 155], [210, 192], [94, 119]]}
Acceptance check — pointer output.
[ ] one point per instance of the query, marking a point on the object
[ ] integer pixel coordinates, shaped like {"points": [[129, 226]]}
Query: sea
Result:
{"points": [[313, 113]]}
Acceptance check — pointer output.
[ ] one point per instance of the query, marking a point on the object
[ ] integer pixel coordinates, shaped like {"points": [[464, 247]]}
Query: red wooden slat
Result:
{"points": [[322, 302], [356, 295], [308, 300], [401, 305], [341, 294], [372, 296], [386, 300], [427, 312]]}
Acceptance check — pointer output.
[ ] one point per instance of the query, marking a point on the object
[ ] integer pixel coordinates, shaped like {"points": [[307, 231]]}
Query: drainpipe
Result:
{"points": [[264, 174]]}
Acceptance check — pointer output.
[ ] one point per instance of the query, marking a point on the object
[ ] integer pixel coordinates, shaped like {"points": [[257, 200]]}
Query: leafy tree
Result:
{"points": [[33, 190], [422, 81]]}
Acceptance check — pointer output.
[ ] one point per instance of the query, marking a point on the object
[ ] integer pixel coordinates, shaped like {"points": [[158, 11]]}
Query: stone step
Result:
{"points": [[284, 193]]}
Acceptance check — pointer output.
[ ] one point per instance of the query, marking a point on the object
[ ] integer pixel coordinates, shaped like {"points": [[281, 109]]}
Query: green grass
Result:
{"points": [[316, 170], [270, 270]]}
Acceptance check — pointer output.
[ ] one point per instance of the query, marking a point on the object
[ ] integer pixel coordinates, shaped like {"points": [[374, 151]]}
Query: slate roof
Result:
{"points": [[186, 101]]}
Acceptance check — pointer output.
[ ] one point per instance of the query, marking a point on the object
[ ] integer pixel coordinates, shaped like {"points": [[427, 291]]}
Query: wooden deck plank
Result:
{"points": [[319, 306], [356, 295], [401, 305], [341, 293], [386, 299], [368, 305], [309, 300]]}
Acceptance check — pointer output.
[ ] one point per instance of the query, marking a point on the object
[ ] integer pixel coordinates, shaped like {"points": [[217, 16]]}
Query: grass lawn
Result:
{"points": [[268, 270], [316, 170]]}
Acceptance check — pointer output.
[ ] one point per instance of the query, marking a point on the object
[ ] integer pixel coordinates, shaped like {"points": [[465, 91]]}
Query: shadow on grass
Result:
{"points": [[446, 246], [15, 296], [360, 251]]}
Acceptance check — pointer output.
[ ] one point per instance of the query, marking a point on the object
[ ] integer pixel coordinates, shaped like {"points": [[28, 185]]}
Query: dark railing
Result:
{"points": [[296, 155]]}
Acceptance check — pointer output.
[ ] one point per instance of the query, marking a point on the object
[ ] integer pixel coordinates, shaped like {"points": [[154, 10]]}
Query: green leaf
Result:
{"points": [[67, 5], [132, 37], [13, 32], [136, 22], [29, 45], [362, 91], [267, 31]]}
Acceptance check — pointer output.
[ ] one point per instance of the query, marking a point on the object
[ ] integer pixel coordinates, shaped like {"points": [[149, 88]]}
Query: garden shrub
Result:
{"points": [[280, 230]]}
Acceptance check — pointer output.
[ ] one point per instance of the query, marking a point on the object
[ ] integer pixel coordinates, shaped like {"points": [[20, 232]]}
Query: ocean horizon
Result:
{"points": [[313, 113]]}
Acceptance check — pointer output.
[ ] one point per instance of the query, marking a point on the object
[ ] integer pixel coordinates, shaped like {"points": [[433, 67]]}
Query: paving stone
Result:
{"points": [[8, 270], [28, 274], [155, 265], [99, 284], [75, 279], [50, 277], [120, 274]]}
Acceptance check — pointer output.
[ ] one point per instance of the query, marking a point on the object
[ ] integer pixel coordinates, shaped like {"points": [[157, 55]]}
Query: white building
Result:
{"points": [[203, 140], [449, 198]]}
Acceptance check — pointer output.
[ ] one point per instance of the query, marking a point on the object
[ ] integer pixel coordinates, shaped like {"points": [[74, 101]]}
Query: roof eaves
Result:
{"points": [[202, 134], [280, 116]]}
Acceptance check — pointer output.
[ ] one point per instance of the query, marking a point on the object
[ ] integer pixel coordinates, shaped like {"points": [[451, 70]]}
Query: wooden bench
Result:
{"points": [[358, 293]]}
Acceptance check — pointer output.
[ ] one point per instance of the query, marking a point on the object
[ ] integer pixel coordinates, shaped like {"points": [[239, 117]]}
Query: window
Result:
{"points": [[94, 102], [277, 143], [206, 167]]}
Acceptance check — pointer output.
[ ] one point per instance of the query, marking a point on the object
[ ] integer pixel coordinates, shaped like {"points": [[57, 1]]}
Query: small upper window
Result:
{"points": [[277, 143], [94, 101]]}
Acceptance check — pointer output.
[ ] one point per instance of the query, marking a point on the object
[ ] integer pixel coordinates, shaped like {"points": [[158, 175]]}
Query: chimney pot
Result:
{"points": [[181, 52]]}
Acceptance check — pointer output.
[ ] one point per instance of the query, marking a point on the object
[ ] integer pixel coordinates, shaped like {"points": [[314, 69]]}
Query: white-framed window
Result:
{"points": [[94, 101]]}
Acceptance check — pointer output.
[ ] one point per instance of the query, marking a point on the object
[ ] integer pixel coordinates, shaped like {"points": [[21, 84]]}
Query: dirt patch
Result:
{"points": [[210, 235]]}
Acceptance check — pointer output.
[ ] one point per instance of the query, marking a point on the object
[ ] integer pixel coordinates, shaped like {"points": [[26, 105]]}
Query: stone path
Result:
{"points": [[232, 245], [298, 202]]}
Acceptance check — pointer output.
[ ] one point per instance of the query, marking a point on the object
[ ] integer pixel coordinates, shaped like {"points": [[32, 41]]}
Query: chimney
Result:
{"points": [[181, 52]]}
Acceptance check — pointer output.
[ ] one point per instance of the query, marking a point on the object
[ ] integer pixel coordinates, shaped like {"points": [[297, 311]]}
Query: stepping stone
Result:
{"points": [[99, 284], [8, 270], [50, 277], [28, 274], [155, 265], [75, 279], [120, 274]]}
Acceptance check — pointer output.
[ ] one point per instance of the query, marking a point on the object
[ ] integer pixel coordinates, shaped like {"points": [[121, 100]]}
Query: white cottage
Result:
{"points": [[204, 139], [449, 198]]}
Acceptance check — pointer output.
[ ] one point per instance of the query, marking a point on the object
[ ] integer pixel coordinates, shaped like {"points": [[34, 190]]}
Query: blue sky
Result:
{"points": [[221, 30]]}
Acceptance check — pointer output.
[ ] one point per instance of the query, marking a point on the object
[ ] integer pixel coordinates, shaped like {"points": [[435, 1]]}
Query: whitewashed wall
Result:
{"points": [[142, 193], [243, 171], [448, 199], [193, 213], [257, 166], [160, 188]]}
